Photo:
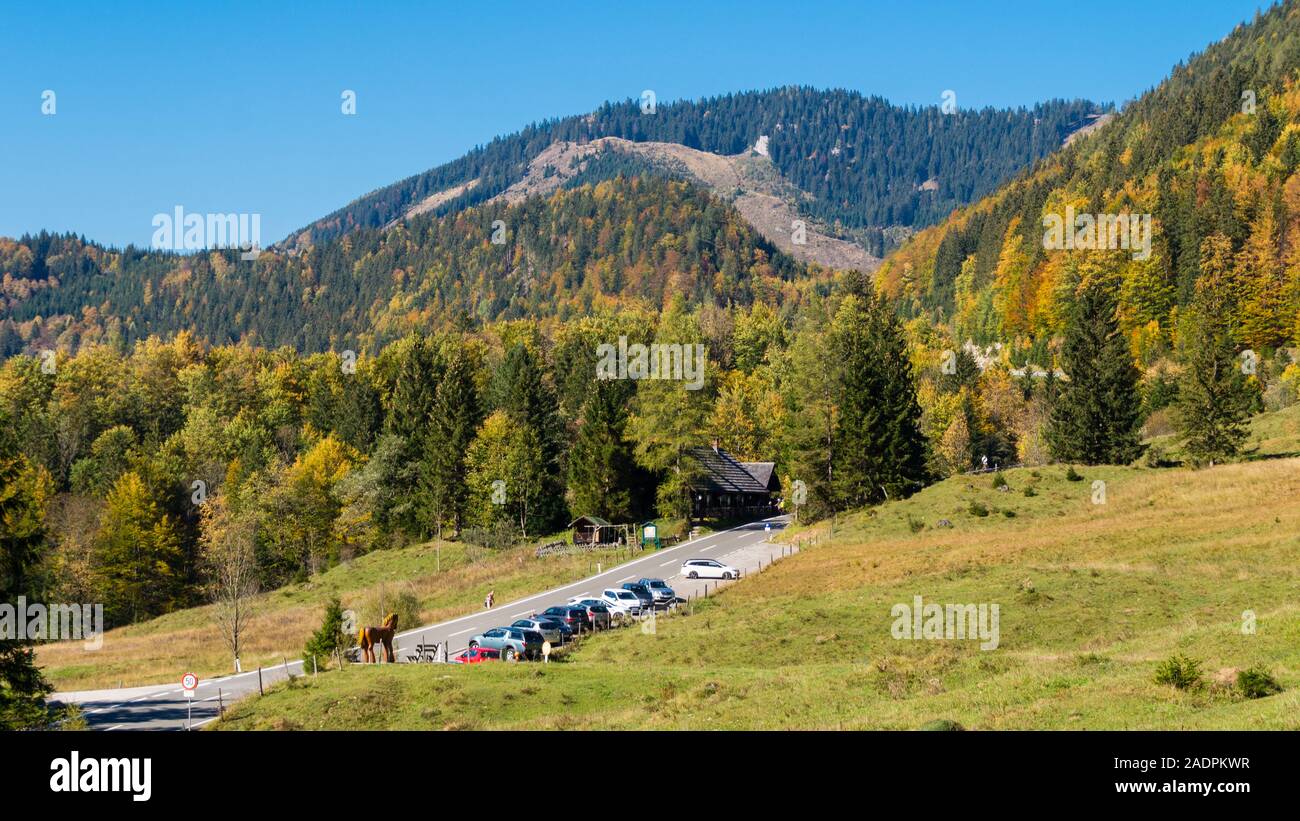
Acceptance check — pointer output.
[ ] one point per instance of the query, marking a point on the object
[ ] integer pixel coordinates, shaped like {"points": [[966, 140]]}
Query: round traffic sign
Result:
{"points": [[189, 681]]}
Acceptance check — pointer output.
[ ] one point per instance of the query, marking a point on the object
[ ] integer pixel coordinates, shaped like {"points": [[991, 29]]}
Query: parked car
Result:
{"points": [[660, 590], [477, 655], [549, 628], [575, 617], [643, 593], [512, 642], [565, 630], [601, 618], [624, 600], [708, 569]]}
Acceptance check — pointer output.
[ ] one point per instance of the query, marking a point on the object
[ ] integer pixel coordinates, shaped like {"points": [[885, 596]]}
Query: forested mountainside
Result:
{"points": [[1211, 154], [863, 161], [635, 242]]}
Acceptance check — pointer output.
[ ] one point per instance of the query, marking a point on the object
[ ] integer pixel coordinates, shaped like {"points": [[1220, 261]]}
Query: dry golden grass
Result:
{"points": [[161, 649]]}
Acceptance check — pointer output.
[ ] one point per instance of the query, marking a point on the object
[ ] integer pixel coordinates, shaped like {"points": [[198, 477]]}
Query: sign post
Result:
{"points": [[650, 534], [189, 682]]}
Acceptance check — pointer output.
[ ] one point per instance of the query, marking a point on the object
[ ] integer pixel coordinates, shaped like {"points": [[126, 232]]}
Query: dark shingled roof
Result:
{"points": [[761, 471], [723, 474]]}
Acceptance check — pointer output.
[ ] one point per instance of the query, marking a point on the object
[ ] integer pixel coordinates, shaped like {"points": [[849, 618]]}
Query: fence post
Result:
{"points": [[221, 705], [314, 670], [260, 691]]}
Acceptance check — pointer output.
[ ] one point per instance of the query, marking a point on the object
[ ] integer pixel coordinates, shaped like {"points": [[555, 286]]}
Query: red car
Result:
{"points": [[477, 655]]}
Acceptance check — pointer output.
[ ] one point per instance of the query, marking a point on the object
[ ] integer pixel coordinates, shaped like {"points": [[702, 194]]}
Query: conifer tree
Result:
{"points": [[602, 468], [1095, 416], [23, 493], [880, 451], [1214, 397], [531, 405], [456, 417]]}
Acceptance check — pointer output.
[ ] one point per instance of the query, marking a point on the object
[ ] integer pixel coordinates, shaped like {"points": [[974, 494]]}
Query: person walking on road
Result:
{"points": [[490, 600]]}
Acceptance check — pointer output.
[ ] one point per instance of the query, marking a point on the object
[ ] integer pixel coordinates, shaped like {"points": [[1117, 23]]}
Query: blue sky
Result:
{"points": [[235, 107]]}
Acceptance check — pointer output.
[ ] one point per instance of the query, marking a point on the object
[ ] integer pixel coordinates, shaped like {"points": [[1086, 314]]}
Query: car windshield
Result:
{"points": [[658, 584]]}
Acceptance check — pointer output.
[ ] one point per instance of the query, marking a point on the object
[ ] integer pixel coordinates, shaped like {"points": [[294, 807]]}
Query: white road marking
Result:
{"points": [[114, 727], [626, 579], [462, 632], [665, 564]]}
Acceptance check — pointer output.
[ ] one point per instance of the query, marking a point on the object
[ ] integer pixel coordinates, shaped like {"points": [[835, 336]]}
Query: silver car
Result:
{"points": [[549, 629]]}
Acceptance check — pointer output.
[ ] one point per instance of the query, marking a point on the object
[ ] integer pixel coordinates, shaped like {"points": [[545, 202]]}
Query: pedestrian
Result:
{"points": [[490, 600]]}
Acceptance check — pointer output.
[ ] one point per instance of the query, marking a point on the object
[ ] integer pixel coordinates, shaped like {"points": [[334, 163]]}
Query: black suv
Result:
{"points": [[642, 593], [572, 615]]}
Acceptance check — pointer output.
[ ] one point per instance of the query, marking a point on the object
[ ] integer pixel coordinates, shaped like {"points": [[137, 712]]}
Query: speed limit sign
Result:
{"points": [[189, 681]]}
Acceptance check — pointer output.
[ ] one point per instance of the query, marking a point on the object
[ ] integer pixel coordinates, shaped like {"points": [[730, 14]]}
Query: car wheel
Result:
{"points": [[726, 576], [693, 575], [473, 644], [508, 654]]}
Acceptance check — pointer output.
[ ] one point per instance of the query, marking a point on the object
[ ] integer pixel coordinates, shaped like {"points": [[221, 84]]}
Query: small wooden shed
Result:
{"points": [[593, 530]]}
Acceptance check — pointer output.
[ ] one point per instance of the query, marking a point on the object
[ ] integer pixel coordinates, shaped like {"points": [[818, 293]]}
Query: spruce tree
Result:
{"points": [[23, 491], [410, 414], [602, 469], [1214, 395], [456, 417], [531, 405], [1095, 417], [880, 451]]}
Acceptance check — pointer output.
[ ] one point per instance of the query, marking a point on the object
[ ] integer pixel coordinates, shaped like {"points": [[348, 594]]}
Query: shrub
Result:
{"points": [[1257, 682], [978, 509], [1157, 457], [1029, 491], [942, 724], [1179, 671], [999, 480], [915, 525], [1072, 475], [375, 607], [330, 637]]}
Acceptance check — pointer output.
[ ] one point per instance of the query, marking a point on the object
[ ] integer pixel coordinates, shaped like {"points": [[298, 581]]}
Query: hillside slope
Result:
{"points": [[1092, 597], [861, 161], [640, 241], [1210, 156]]}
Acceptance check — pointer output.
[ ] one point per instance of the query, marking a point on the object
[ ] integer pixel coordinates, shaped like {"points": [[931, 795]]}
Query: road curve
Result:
{"points": [[164, 707]]}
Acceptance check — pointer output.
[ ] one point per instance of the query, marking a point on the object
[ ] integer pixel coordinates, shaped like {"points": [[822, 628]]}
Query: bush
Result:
{"points": [[977, 509], [1072, 475], [1157, 457], [943, 725], [915, 525], [330, 637], [1257, 682], [501, 534], [999, 480], [378, 605], [1179, 671], [1029, 491]]}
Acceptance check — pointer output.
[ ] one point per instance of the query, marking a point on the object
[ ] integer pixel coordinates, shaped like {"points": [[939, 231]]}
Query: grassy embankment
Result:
{"points": [[1092, 597], [446, 586]]}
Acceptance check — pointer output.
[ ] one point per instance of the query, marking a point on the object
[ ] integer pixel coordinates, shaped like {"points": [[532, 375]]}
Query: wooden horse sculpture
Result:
{"points": [[370, 636]]}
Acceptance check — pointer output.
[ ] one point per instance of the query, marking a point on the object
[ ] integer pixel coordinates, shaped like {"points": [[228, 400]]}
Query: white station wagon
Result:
{"points": [[708, 569]]}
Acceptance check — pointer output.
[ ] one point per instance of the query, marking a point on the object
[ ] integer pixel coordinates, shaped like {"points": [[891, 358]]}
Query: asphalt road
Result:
{"points": [[164, 707]]}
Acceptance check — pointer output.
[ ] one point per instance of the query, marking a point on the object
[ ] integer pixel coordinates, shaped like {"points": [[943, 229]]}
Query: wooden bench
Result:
{"points": [[423, 653]]}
